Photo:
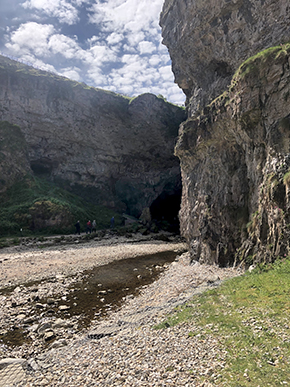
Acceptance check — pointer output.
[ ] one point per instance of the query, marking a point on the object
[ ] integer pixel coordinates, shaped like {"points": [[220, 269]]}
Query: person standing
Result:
{"points": [[78, 227], [112, 222], [89, 227], [94, 226]]}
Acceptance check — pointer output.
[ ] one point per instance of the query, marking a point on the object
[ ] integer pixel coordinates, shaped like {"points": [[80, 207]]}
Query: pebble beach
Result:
{"points": [[123, 349]]}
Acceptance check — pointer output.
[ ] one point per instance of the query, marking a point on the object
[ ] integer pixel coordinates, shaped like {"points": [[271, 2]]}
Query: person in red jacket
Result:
{"points": [[89, 227]]}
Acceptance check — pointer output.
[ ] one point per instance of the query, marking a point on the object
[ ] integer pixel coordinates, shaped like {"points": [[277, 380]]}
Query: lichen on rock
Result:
{"points": [[232, 60]]}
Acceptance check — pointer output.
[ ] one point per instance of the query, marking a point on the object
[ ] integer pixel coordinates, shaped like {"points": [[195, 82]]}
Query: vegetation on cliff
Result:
{"points": [[234, 156], [37, 205]]}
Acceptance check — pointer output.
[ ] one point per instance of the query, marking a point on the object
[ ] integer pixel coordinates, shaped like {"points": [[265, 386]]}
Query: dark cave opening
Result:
{"points": [[164, 210]]}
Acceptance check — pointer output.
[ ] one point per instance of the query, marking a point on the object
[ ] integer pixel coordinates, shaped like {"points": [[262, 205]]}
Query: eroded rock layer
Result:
{"points": [[112, 150], [235, 160], [232, 60], [208, 40]]}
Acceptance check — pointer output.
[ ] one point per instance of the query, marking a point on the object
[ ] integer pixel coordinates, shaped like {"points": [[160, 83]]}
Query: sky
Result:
{"points": [[109, 44]]}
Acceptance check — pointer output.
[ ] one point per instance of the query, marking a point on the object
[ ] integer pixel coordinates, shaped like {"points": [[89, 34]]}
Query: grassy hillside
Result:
{"points": [[36, 205], [249, 317]]}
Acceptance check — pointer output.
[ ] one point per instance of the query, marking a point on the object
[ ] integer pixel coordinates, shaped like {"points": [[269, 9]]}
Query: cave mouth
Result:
{"points": [[164, 210]]}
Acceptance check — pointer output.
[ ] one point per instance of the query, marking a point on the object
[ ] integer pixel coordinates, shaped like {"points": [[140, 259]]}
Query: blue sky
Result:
{"points": [[110, 44]]}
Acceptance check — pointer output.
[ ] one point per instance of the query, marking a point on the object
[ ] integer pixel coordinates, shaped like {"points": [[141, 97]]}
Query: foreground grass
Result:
{"points": [[249, 315]]}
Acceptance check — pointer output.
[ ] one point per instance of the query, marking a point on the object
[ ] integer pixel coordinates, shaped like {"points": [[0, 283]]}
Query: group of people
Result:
{"points": [[91, 226]]}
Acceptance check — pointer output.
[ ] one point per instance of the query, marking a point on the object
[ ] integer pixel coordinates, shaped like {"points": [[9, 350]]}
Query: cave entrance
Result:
{"points": [[164, 210]]}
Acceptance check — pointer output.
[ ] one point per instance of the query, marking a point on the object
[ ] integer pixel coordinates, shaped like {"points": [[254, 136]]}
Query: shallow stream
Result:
{"points": [[101, 290]]}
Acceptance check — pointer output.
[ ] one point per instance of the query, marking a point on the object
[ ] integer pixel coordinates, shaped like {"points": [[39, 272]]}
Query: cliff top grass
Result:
{"points": [[18, 67], [249, 316]]}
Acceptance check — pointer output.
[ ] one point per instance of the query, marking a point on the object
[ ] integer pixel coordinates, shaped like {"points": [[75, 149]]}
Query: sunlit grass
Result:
{"points": [[249, 315]]}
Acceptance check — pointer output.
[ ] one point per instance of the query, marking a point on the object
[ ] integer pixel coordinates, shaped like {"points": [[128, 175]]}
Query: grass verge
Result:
{"points": [[249, 316]]}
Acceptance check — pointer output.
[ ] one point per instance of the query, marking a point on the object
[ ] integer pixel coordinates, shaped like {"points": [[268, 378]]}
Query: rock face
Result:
{"points": [[13, 155], [110, 149], [234, 150], [208, 40]]}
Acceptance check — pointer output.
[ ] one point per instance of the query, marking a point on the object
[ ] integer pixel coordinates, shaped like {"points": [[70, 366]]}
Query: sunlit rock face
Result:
{"points": [[234, 147], [110, 149], [208, 40]]}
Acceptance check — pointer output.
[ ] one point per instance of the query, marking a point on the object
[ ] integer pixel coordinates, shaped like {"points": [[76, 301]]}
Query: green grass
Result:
{"points": [[27, 203], [254, 62], [250, 317]]}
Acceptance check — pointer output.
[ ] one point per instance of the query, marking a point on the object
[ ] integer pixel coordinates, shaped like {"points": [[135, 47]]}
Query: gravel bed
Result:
{"points": [[124, 349]]}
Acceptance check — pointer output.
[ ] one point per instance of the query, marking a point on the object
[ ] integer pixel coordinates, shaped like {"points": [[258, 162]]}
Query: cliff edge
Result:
{"points": [[208, 41], [112, 150], [234, 147]]}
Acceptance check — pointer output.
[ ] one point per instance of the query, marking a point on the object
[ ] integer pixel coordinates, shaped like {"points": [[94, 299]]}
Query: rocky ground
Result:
{"points": [[121, 349]]}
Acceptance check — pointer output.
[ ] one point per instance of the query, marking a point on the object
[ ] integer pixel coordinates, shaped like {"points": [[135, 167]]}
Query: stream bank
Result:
{"points": [[49, 293], [122, 349]]}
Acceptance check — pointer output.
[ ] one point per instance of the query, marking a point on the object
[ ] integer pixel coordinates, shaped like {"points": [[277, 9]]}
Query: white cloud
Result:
{"points": [[101, 53], [115, 38], [61, 9], [166, 73], [154, 60], [71, 73], [131, 17], [131, 14], [64, 45], [123, 54], [146, 47], [31, 37]]}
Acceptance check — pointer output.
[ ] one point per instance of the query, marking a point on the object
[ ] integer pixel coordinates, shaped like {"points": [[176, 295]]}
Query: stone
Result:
{"points": [[50, 301], [58, 344], [21, 316], [59, 323], [233, 148], [10, 361], [48, 335], [102, 292], [39, 306], [63, 307], [126, 166], [43, 327], [32, 363]]}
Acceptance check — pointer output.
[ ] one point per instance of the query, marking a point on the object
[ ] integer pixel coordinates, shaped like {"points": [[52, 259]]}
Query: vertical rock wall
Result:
{"points": [[105, 147], [234, 161], [232, 60], [208, 40]]}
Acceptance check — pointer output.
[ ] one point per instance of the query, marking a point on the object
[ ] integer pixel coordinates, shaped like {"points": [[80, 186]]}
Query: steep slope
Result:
{"points": [[234, 158], [207, 41], [111, 150], [234, 149], [14, 162]]}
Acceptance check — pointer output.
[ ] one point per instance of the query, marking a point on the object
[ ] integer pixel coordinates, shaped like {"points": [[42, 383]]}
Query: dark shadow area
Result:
{"points": [[165, 209]]}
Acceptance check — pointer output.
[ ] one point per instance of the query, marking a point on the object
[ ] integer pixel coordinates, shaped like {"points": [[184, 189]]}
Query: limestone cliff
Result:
{"points": [[14, 163], [234, 149], [113, 150], [208, 40]]}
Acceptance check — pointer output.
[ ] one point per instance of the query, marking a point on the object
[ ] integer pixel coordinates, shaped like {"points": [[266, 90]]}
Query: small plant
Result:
{"points": [[286, 179]]}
